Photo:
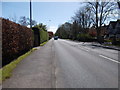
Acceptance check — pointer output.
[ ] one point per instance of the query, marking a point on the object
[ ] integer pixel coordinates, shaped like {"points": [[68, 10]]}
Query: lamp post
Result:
{"points": [[30, 14]]}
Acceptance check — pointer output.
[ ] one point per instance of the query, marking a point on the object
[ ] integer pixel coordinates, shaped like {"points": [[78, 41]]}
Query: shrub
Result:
{"points": [[16, 40], [84, 37], [40, 35], [43, 36]]}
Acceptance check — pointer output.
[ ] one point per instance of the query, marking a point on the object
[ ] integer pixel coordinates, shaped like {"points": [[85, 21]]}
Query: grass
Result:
{"points": [[42, 44], [111, 45], [108, 45], [6, 71]]}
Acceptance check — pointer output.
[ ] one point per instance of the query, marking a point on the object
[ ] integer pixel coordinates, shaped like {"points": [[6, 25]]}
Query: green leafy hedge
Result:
{"points": [[43, 36], [84, 37], [40, 34], [16, 40]]}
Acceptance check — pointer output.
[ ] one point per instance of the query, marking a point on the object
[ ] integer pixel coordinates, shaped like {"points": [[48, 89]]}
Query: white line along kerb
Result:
{"points": [[109, 58]]}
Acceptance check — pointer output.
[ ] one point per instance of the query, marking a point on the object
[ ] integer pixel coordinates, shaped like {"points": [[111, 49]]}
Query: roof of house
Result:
{"points": [[50, 32], [113, 23], [118, 20]]}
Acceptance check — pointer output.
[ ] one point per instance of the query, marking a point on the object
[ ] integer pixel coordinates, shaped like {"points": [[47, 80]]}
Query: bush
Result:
{"points": [[84, 37], [40, 35], [43, 36], [16, 40]]}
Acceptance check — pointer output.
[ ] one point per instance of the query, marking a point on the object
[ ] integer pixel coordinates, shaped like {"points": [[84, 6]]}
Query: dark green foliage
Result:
{"points": [[43, 36], [84, 37], [16, 40], [64, 31], [73, 31], [40, 34], [36, 36]]}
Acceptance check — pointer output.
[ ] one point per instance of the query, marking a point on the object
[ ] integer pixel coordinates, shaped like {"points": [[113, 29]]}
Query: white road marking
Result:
{"points": [[109, 58], [84, 49]]}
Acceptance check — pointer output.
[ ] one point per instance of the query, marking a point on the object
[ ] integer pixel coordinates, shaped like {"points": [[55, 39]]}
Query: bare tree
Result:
{"points": [[101, 10], [26, 21], [14, 18], [118, 3], [83, 17]]}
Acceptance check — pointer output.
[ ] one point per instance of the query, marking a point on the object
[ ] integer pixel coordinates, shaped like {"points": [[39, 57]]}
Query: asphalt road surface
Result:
{"points": [[67, 64], [81, 65]]}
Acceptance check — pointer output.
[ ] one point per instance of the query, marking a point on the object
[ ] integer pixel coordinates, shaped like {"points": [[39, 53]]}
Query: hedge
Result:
{"points": [[16, 40], [40, 35], [43, 36], [84, 37]]}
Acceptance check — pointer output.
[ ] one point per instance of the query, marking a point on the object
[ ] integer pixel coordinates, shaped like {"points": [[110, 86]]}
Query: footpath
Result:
{"points": [[99, 45], [105, 46], [35, 71]]}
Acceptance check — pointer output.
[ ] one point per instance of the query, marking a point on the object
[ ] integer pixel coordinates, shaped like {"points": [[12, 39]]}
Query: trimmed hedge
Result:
{"points": [[40, 35], [85, 38], [16, 40], [43, 36]]}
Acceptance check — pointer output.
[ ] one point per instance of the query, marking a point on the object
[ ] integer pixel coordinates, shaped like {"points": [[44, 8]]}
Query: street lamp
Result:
{"points": [[30, 14]]}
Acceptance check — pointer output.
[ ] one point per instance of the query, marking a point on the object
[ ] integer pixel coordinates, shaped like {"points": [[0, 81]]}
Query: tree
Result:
{"points": [[81, 22], [75, 30], [26, 21], [33, 23], [14, 18], [101, 11], [64, 31], [41, 26], [83, 17], [118, 3]]}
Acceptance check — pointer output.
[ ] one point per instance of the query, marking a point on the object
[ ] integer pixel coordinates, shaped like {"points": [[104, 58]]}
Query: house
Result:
{"points": [[113, 29], [50, 33], [93, 32]]}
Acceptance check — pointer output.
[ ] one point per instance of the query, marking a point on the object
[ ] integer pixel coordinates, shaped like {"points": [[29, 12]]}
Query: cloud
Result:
{"points": [[52, 28]]}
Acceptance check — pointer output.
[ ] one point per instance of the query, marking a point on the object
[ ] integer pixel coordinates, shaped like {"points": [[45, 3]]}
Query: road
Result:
{"points": [[84, 66], [67, 64]]}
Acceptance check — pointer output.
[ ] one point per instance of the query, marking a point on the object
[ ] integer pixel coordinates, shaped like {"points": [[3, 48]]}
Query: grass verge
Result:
{"points": [[6, 71], [111, 45], [42, 44]]}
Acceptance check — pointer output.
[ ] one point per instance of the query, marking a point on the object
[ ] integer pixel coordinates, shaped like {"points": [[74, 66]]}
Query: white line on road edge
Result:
{"points": [[109, 58]]}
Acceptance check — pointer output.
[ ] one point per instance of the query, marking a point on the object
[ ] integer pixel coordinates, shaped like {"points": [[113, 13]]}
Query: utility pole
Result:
{"points": [[30, 14]]}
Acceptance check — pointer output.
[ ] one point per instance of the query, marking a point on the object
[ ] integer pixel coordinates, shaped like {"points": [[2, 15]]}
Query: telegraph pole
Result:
{"points": [[30, 14]]}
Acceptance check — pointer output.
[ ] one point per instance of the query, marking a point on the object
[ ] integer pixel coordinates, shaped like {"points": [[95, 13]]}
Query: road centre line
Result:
{"points": [[109, 58]]}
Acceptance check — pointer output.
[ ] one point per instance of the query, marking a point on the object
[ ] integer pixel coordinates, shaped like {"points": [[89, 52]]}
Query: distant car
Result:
{"points": [[55, 37]]}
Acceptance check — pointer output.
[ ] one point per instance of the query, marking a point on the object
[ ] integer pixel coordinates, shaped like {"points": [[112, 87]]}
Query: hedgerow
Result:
{"points": [[16, 40]]}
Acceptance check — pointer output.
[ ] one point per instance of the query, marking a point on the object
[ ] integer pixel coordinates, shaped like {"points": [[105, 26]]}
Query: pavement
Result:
{"points": [[35, 71], [67, 64], [104, 46]]}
